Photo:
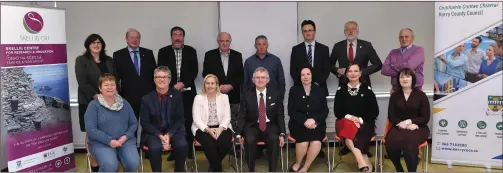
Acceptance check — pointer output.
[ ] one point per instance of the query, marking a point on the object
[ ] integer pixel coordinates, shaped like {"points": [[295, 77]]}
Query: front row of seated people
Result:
{"points": [[111, 124]]}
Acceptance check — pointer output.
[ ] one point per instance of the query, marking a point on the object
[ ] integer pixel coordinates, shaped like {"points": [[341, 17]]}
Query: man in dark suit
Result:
{"points": [[311, 53], [182, 59], [162, 121], [227, 65], [261, 118], [135, 66], [353, 50]]}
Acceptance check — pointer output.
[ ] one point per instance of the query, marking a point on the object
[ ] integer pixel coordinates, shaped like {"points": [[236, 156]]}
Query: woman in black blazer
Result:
{"points": [[88, 69], [308, 110]]}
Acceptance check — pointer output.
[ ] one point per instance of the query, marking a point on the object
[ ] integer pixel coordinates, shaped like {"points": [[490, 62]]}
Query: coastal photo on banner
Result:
{"points": [[468, 101], [35, 104]]}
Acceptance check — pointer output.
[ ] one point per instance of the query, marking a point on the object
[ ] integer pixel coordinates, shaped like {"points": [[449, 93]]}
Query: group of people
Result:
{"points": [[472, 64], [245, 101]]}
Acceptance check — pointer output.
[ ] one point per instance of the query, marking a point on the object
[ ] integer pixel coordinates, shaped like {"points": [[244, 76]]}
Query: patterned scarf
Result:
{"points": [[114, 107]]}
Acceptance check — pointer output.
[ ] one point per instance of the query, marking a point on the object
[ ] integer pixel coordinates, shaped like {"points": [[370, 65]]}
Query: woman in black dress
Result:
{"points": [[308, 110], [88, 69], [408, 114], [356, 110]]}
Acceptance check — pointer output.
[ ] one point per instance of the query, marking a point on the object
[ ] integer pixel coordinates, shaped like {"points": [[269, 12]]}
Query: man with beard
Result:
{"points": [[475, 56], [183, 60]]}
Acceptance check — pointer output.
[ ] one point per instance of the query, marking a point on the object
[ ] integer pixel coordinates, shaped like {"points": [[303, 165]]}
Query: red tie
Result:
{"points": [[351, 52], [261, 115]]}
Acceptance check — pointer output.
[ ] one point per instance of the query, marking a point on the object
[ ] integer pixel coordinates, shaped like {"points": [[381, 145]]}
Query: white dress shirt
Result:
{"points": [[355, 44], [312, 50], [225, 60], [265, 103]]}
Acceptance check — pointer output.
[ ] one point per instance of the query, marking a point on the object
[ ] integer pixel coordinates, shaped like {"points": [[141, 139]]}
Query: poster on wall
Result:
{"points": [[34, 89], [468, 101]]}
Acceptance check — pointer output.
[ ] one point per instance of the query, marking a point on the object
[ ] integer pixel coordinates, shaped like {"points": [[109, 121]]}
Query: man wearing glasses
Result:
{"points": [[162, 121], [355, 51]]}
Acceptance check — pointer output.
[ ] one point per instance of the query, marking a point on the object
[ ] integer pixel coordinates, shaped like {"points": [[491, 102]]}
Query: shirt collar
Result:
{"points": [[228, 52], [266, 55], [263, 92], [178, 49], [159, 94], [312, 44], [354, 42], [407, 48], [357, 86], [131, 49]]}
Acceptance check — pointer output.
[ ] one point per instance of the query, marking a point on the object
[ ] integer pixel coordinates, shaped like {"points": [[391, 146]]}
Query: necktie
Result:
{"points": [[164, 110], [135, 62], [350, 52], [261, 114], [310, 56]]}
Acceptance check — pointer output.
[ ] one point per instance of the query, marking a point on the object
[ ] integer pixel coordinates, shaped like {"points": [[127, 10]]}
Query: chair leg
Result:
{"points": [[287, 156], [235, 158], [341, 145], [375, 156], [241, 148], [381, 156], [333, 156], [194, 153], [427, 153], [281, 155], [327, 149], [141, 160]]}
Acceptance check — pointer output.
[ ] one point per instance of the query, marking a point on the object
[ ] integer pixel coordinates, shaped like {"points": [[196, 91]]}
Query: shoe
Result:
{"points": [[345, 150], [321, 154], [291, 168], [95, 168], [364, 169], [369, 154]]}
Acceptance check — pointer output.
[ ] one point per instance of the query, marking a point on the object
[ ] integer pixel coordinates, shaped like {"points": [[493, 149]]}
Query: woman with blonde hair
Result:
{"points": [[211, 126]]}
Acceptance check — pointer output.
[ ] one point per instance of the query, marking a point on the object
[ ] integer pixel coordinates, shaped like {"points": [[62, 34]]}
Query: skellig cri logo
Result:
{"points": [[33, 22]]}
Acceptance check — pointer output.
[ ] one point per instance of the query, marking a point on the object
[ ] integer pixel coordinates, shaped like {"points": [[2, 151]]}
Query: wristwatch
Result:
{"points": [[282, 134]]}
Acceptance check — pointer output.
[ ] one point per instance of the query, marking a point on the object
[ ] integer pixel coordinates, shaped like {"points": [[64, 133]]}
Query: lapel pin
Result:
{"points": [[170, 95], [362, 95], [269, 97], [303, 97], [360, 47]]}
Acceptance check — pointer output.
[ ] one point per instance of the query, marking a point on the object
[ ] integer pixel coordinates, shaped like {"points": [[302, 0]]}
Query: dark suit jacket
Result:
{"points": [[364, 53], [322, 65], [188, 69], [248, 110], [88, 74], [150, 115], [301, 107], [213, 65], [133, 87]]}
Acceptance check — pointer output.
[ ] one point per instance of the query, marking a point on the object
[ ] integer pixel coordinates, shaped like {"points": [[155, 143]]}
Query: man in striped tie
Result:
{"points": [[261, 119]]}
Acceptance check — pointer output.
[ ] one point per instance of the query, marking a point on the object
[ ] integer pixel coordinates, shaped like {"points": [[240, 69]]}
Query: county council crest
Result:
{"points": [[494, 105]]}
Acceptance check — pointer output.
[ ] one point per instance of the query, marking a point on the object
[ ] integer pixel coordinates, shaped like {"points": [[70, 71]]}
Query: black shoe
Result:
{"points": [[170, 158], [345, 150], [369, 154], [95, 168], [364, 169], [321, 154]]}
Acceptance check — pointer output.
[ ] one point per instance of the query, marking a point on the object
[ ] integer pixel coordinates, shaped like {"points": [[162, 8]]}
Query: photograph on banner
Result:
{"points": [[469, 62]]}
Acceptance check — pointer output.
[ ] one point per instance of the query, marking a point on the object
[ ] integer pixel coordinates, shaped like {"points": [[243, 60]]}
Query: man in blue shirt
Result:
{"points": [[271, 62]]}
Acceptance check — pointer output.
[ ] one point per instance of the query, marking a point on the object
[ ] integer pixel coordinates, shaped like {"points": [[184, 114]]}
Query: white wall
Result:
{"points": [[379, 23], [154, 20]]}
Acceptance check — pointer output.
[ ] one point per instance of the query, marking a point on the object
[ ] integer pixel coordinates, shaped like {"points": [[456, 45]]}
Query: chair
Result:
{"points": [[146, 149], [259, 143], [325, 139], [197, 144], [341, 145], [424, 146]]}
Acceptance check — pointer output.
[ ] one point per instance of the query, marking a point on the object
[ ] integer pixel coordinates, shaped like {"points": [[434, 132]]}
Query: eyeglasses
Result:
{"points": [[162, 77]]}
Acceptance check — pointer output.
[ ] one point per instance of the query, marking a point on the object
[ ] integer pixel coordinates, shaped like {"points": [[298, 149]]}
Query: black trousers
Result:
{"points": [[215, 150], [409, 154], [188, 100], [82, 113], [179, 151], [270, 136]]}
